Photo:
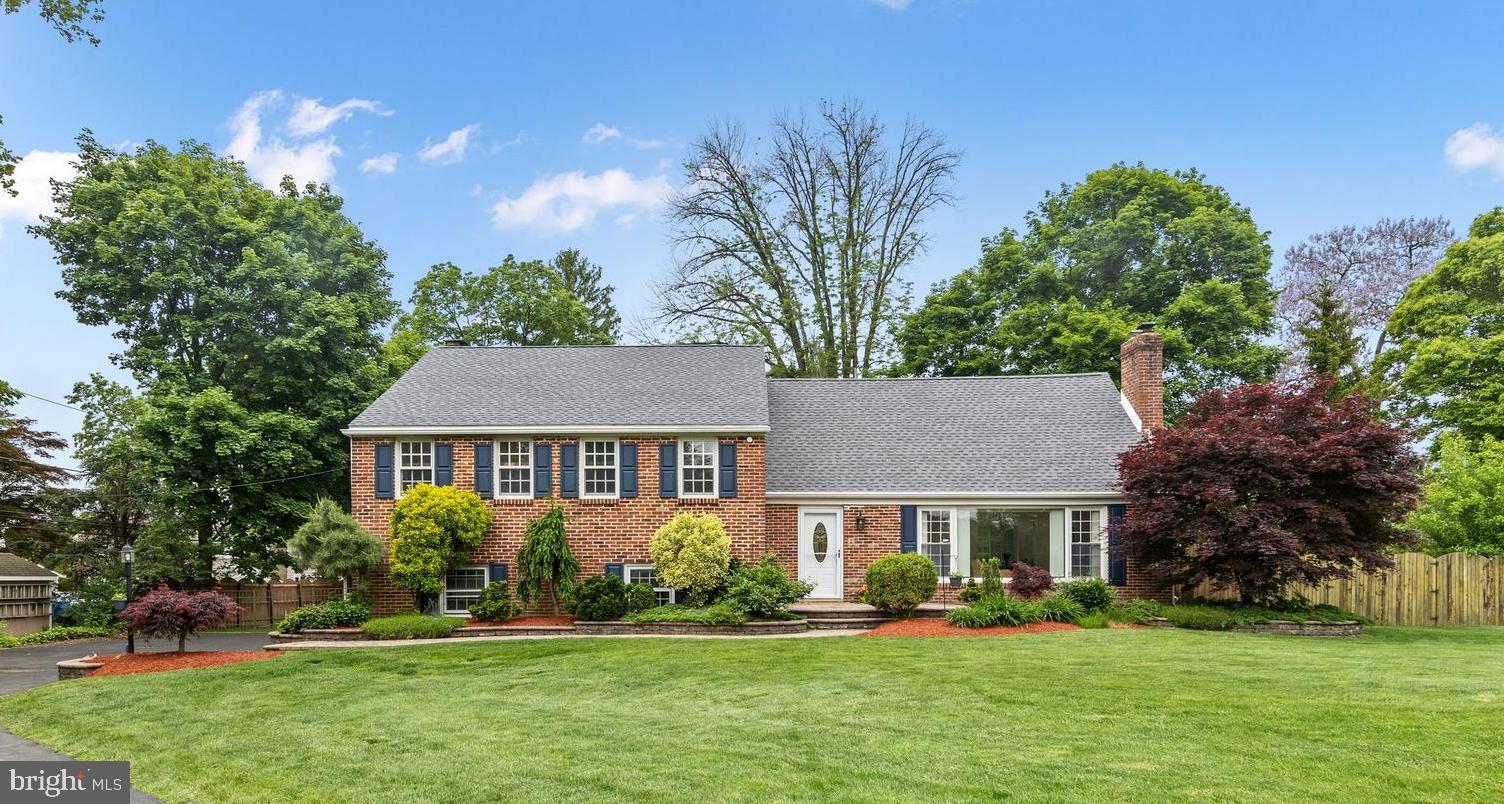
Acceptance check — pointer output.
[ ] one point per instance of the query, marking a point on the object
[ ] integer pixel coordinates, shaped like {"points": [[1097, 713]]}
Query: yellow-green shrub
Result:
{"points": [[692, 552], [432, 527]]}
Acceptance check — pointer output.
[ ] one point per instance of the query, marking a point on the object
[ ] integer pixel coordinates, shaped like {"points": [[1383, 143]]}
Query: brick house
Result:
{"points": [[825, 475]]}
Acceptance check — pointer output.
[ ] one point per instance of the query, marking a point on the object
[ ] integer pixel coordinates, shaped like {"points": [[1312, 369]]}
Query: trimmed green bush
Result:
{"points": [[433, 527], [1097, 619], [58, 633], [412, 626], [336, 612], [545, 557], [996, 610], [1060, 609], [1217, 616], [692, 552], [897, 584], [1094, 594], [717, 614], [763, 590], [640, 597], [601, 597], [495, 604], [1138, 611]]}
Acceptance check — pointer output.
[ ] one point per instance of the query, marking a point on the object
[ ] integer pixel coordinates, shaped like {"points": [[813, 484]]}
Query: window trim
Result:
{"points": [[626, 576], [919, 540], [715, 468], [444, 596], [532, 470], [615, 467], [1100, 541], [399, 467]]}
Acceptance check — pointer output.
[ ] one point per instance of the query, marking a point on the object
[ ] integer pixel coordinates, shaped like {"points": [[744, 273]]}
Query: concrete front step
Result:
{"points": [[842, 623]]}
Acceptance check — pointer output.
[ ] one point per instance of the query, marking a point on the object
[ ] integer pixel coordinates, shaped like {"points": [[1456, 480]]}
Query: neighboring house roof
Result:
{"points": [[952, 435], [565, 389], [14, 566]]}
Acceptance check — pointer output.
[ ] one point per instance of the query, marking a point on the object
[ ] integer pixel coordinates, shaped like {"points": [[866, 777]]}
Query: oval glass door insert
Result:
{"points": [[821, 542]]}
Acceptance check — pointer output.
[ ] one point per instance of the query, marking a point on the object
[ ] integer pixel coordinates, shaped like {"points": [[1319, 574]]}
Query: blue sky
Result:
{"points": [[465, 133]]}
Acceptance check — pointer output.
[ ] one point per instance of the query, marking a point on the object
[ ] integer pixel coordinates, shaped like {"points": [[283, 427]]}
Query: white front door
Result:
{"points": [[820, 551]]}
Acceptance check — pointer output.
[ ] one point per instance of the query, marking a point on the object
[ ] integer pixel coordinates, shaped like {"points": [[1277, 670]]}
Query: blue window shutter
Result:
{"points": [[908, 529], [668, 469], [1117, 563], [384, 487], [543, 470], [443, 464], [628, 468], [483, 484], [569, 470], [619, 570], [728, 469], [499, 572]]}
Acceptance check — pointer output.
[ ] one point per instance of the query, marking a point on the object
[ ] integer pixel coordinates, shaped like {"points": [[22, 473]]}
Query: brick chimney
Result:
{"points": [[1141, 364]]}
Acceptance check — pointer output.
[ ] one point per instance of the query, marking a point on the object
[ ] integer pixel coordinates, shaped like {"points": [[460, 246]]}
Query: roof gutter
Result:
{"points": [[614, 429], [780, 496]]}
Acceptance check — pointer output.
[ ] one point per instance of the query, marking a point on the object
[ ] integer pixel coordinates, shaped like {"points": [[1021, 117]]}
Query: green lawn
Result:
{"points": [[1150, 715]]}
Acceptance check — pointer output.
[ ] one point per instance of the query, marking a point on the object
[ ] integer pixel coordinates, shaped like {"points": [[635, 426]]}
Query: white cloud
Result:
{"points": [[569, 201], [310, 116], [1477, 146], [383, 164], [270, 159], [33, 197], [452, 149], [600, 132]]}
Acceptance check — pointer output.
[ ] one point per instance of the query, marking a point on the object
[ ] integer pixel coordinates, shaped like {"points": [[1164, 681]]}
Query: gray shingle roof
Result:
{"points": [[963, 435], [14, 566], [556, 388]]}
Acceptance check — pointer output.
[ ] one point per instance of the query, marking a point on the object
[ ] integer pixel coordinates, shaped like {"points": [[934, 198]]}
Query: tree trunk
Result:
{"points": [[183, 641]]}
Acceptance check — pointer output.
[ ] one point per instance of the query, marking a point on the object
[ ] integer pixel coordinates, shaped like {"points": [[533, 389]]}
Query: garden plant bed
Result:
{"points": [[528, 620], [124, 664], [1342, 628], [756, 628], [934, 626], [321, 634]]}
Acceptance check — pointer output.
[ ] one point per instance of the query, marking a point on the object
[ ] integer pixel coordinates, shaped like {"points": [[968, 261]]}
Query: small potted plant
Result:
{"points": [[955, 582]]}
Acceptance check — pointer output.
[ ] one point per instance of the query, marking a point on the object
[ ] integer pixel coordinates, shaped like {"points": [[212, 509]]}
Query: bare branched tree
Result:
{"points": [[1369, 268], [803, 249]]}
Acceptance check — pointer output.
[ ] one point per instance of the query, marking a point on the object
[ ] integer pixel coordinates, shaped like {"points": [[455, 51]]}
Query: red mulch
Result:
{"points": [[537, 619], [123, 664], [937, 626]]}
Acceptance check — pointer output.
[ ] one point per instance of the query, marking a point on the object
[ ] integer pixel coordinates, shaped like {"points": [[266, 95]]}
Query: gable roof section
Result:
{"points": [[953, 435], [14, 566], [564, 389]]}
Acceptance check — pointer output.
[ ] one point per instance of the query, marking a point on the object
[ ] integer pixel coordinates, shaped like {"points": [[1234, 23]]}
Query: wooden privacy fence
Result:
{"points": [[267, 603], [1421, 589]]}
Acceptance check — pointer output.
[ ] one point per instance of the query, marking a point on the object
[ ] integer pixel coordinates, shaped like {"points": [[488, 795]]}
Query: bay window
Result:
{"points": [[1066, 541]]}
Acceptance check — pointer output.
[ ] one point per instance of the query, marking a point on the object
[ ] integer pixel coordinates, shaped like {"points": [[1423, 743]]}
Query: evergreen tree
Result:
{"points": [[1329, 341]]}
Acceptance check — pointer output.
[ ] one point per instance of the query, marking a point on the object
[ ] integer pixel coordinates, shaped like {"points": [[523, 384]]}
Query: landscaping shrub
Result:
{"points": [[412, 626], [763, 589], [640, 597], [602, 597], [1093, 594], [545, 557], [93, 605], [1097, 619], [996, 610], [495, 603], [1219, 616], [1029, 581], [992, 578], [336, 612], [335, 545], [692, 552], [970, 592], [167, 612], [897, 584], [1060, 608], [716, 614], [58, 633], [432, 527], [347, 612], [1137, 610]]}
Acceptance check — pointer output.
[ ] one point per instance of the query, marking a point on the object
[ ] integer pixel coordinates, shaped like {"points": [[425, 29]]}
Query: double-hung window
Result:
{"points": [[643, 573], [935, 542], [1086, 543], [599, 465], [697, 467], [514, 468], [462, 588], [415, 462]]}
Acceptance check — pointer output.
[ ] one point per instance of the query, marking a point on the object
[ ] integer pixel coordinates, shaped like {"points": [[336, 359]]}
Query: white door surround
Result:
{"points": [[821, 555]]}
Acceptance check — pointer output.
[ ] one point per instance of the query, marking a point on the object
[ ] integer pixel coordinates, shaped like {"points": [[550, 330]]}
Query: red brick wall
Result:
{"points": [[600, 531], [1141, 365], [860, 546]]}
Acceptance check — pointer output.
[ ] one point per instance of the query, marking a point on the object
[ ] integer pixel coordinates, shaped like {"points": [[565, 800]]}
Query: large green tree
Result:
{"points": [[68, 18], [29, 482], [1463, 504], [1127, 244], [250, 319], [1446, 353], [514, 303]]}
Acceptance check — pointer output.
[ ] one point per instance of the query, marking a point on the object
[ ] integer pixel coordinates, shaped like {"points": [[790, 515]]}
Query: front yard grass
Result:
{"points": [[1148, 715]]}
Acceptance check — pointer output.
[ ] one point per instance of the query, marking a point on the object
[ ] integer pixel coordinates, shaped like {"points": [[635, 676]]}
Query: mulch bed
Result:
{"points": [[936, 626], [539, 619], [124, 664]]}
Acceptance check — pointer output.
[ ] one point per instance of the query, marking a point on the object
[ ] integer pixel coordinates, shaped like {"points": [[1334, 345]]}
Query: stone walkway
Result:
{"points": [[321, 644]]}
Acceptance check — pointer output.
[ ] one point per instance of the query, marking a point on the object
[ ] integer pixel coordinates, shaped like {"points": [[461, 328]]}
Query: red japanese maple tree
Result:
{"points": [[1267, 485], [168, 613]]}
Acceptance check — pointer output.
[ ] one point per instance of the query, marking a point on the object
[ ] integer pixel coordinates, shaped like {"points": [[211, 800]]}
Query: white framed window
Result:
{"points": [[414, 464], [1086, 542], [697, 458], [514, 468], [643, 573], [462, 588], [936, 528], [598, 467]]}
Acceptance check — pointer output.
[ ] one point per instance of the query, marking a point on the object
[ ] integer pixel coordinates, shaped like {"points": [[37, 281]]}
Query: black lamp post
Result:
{"points": [[128, 557]]}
